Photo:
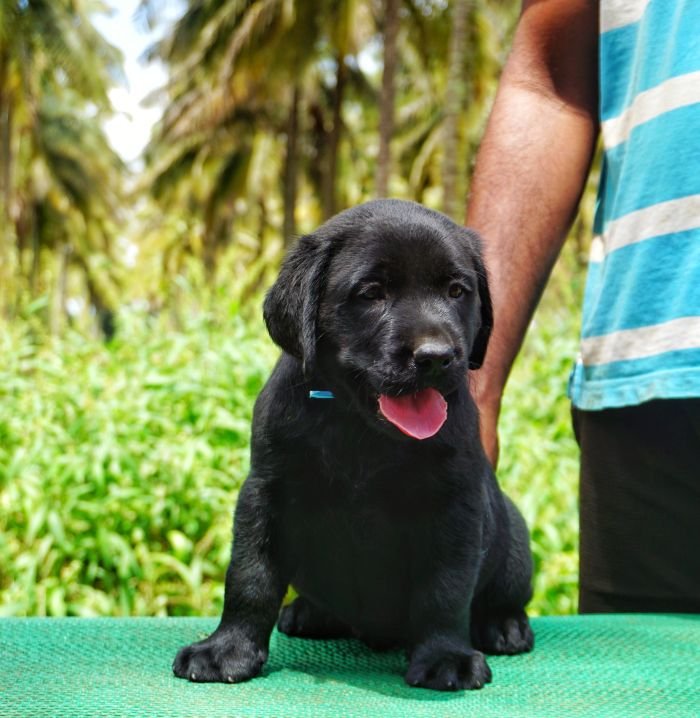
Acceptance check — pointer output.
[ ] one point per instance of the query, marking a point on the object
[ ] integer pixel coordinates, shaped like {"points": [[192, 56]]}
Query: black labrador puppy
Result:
{"points": [[369, 491]]}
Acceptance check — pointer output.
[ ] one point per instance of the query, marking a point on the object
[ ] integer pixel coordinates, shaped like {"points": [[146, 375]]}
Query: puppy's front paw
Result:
{"points": [[448, 668], [224, 657]]}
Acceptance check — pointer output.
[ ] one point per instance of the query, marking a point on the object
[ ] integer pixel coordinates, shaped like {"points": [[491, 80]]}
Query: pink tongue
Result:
{"points": [[419, 415]]}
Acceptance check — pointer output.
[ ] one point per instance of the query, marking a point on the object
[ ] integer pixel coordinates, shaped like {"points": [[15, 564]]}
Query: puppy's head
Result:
{"points": [[388, 301]]}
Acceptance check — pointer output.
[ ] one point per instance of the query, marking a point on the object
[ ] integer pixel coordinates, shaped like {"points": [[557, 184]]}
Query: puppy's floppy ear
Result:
{"points": [[481, 340], [291, 305]]}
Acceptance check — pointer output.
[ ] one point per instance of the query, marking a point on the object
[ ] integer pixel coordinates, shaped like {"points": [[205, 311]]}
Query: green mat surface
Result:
{"points": [[594, 666]]}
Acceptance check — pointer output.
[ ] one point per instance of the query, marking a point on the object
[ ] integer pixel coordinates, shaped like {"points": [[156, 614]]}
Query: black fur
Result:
{"points": [[395, 541]]}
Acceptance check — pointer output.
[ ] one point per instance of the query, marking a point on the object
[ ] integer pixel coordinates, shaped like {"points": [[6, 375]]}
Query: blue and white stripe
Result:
{"points": [[619, 13], [641, 322]]}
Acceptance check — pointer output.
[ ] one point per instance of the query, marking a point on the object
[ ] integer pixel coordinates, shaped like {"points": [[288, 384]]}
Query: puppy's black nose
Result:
{"points": [[433, 356]]}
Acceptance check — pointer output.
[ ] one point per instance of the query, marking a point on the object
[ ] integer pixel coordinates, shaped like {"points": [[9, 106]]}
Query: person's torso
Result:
{"points": [[641, 320]]}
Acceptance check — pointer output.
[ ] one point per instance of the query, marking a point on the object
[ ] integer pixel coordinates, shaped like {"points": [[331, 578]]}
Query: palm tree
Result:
{"points": [[269, 116], [445, 84], [290, 178], [221, 77], [454, 104], [69, 200], [231, 63], [55, 70], [388, 94]]}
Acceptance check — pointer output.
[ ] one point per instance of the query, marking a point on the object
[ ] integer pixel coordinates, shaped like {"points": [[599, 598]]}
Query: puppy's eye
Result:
{"points": [[456, 290], [372, 292]]}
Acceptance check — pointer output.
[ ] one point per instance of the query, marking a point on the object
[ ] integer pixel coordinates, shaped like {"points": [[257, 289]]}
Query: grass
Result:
{"points": [[538, 465], [119, 467], [120, 464]]}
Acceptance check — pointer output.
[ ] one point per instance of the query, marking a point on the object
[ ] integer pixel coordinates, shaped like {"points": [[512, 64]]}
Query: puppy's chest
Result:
{"points": [[351, 511], [354, 560], [355, 542], [367, 492]]}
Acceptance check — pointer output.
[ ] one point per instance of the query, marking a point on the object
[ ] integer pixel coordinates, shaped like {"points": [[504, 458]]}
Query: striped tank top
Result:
{"points": [[641, 313]]}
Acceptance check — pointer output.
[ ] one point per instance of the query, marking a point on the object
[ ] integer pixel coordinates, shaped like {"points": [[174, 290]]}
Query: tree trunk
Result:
{"points": [[209, 252], [387, 98], [291, 171], [58, 305], [6, 235], [5, 134], [330, 200], [35, 267], [453, 192]]}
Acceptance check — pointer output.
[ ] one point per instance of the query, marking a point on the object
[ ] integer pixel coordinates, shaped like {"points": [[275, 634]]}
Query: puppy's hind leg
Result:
{"points": [[499, 624], [305, 619], [504, 632]]}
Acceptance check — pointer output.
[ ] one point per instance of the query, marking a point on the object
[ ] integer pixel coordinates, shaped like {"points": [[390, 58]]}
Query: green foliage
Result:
{"points": [[538, 465], [224, 154], [61, 184], [120, 464]]}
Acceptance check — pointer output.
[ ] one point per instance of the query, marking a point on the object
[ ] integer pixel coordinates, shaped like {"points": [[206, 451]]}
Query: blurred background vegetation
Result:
{"points": [[131, 343]]}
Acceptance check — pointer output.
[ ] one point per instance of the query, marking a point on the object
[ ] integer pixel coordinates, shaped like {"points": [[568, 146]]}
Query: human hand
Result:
{"points": [[488, 427]]}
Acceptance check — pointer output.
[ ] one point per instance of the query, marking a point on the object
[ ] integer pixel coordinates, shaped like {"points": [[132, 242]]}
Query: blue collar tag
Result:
{"points": [[321, 394]]}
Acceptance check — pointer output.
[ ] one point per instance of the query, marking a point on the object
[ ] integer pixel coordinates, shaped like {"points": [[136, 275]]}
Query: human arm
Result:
{"points": [[530, 172]]}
